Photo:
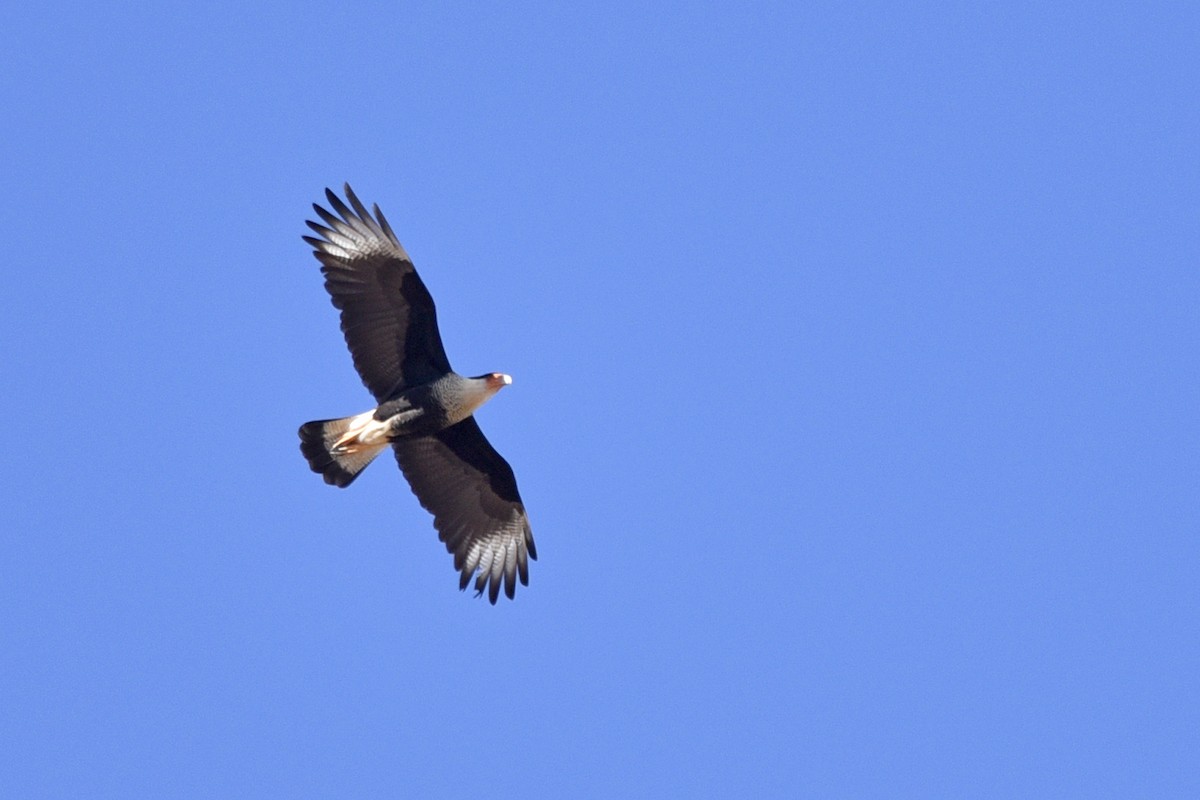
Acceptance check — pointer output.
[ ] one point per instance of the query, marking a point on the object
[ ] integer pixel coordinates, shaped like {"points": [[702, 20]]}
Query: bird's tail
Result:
{"points": [[324, 443]]}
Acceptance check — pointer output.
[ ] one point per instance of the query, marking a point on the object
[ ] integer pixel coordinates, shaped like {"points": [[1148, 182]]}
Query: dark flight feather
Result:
{"points": [[471, 491], [388, 317]]}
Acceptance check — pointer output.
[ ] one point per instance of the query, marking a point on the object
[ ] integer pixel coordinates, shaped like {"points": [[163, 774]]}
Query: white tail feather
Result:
{"points": [[339, 449]]}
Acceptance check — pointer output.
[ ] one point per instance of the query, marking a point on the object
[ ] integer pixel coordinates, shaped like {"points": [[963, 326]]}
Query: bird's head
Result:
{"points": [[497, 381]]}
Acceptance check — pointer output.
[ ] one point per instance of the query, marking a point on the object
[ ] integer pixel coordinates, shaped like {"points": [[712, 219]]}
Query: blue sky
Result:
{"points": [[855, 359]]}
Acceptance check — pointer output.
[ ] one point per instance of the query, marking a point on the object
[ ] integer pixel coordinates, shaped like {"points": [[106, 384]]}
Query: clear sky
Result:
{"points": [[854, 406]]}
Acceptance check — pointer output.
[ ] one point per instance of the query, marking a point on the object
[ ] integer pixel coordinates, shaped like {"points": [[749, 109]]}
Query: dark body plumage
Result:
{"points": [[424, 408]]}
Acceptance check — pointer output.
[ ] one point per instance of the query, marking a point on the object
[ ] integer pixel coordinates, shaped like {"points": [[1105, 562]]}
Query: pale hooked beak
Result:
{"points": [[498, 379]]}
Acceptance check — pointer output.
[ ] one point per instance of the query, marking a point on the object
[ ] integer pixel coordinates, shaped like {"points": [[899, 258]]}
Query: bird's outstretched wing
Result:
{"points": [[388, 317], [471, 491]]}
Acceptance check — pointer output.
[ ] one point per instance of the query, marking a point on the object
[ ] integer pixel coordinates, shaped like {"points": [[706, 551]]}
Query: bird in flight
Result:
{"points": [[425, 409]]}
